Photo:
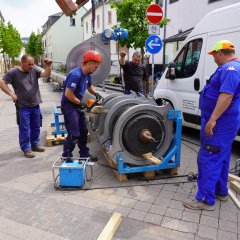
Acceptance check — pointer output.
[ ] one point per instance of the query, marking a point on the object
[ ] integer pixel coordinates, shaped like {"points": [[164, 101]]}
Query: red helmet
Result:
{"points": [[91, 55]]}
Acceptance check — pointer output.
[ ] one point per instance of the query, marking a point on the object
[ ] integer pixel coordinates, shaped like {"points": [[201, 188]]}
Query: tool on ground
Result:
{"points": [[72, 172]]}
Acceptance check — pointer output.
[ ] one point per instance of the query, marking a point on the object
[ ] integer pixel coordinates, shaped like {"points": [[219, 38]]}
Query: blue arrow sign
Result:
{"points": [[153, 44]]}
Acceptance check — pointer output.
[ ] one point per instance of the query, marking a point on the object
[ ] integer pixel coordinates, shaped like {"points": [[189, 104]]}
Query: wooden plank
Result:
{"points": [[50, 138], [149, 157], [232, 177], [234, 185], [111, 227], [234, 198], [121, 177], [149, 174], [172, 171]]}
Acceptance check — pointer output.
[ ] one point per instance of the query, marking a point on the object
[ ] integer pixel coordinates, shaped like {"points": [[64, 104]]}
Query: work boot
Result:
{"points": [[195, 205], [222, 198], [29, 154], [38, 148]]}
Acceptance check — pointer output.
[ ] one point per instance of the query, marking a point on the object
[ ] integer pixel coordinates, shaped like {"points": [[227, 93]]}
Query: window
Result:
{"points": [[172, 1], [159, 2], [86, 27], [187, 60], [109, 17], [72, 21], [98, 21], [211, 1]]}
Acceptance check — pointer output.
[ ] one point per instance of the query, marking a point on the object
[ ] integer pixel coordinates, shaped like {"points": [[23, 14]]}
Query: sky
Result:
{"points": [[28, 16]]}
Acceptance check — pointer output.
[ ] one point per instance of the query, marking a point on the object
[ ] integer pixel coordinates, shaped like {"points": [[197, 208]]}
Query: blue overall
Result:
{"points": [[215, 151], [74, 118], [29, 127]]}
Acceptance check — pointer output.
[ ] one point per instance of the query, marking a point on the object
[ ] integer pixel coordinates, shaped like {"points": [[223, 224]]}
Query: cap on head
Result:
{"points": [[91, 55], [223, 44]]}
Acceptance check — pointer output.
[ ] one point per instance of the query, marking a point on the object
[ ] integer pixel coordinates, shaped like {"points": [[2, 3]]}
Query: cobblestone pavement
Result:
{"points": [[30, 207]]}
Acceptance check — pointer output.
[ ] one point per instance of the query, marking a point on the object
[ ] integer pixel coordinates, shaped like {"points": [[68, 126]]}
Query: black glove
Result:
{"points": [[98, 97], [81, 106]]}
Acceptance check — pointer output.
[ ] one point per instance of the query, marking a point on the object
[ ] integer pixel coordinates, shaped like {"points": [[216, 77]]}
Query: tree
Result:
{"points": [[34, 46], [10, 43], [132, 16]]}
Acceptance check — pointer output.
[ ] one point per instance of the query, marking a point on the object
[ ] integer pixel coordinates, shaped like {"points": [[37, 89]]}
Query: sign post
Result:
{"points": [[154, 14]]}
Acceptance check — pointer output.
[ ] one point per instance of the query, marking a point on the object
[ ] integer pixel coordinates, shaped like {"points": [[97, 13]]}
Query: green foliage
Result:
{"points": [[132, 16], [10, 40], [34, 45], [62, 68], [10, 44]]}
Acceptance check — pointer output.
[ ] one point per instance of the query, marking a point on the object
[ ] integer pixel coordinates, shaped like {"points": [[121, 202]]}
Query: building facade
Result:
{"points": [[60, 35]]}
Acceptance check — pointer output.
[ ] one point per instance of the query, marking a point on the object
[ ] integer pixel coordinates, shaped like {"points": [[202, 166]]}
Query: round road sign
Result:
{"points": [[154, 13]]}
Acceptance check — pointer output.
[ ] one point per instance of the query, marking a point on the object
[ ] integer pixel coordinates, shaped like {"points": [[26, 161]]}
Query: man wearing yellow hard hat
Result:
{"points": [[220, 121]]}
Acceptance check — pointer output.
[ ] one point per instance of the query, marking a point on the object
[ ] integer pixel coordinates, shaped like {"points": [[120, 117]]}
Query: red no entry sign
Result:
{"points": [[154, 13]]}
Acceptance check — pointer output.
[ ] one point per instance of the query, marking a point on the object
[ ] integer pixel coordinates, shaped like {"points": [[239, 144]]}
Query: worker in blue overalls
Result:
{"points": [[77, 81], [220, 121]]}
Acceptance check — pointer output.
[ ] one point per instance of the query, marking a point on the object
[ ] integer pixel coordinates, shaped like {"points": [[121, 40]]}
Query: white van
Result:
{"points": [[191, 66]]}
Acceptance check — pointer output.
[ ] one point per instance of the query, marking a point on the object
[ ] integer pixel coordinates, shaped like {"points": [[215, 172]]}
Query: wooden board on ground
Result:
{"points": [[234, 185], [121, 177], [232, 177], [172, 171], [111, 227], [54, 139], [234, 198]]}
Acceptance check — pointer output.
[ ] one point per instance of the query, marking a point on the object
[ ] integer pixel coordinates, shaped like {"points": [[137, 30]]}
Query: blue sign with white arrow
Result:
{"points": [[153, 44]]}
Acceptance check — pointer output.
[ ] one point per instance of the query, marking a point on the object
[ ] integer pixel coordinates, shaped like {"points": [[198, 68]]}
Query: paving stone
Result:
{"points": [[177, 205], [191, 217], [170, 187], [128, 202], [123, 210], [170, 223], [148, 198], [166, 194], [228, 216], [188, 227], [137, 215], [107, 207], [209, 221], [134, 194], [207, 232], [153, 218], [228, 226], [156, 209], [162, 201], [223, 235], [174, 213], [143, 206]]}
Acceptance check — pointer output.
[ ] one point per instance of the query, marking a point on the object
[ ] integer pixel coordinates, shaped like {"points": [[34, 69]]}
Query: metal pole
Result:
{"points": [[103, 27], [152, 74]]}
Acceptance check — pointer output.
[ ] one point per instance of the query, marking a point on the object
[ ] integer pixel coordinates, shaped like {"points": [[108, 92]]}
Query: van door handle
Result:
{"points": [[196, 84]]}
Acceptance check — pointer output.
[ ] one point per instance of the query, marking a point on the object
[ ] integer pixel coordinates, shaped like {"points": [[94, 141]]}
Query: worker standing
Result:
{"points": [[134, 73], [27, 97], [77, 81], [220, 121]]}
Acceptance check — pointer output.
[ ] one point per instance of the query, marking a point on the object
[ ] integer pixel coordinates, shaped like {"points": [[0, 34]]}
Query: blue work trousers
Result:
{"points": [[139, 93], [214, 158], [29, 127], [76, 125]]}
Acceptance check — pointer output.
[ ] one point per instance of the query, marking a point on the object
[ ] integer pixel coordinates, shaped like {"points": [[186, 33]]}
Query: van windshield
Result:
{"points": [[188, 59]]}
